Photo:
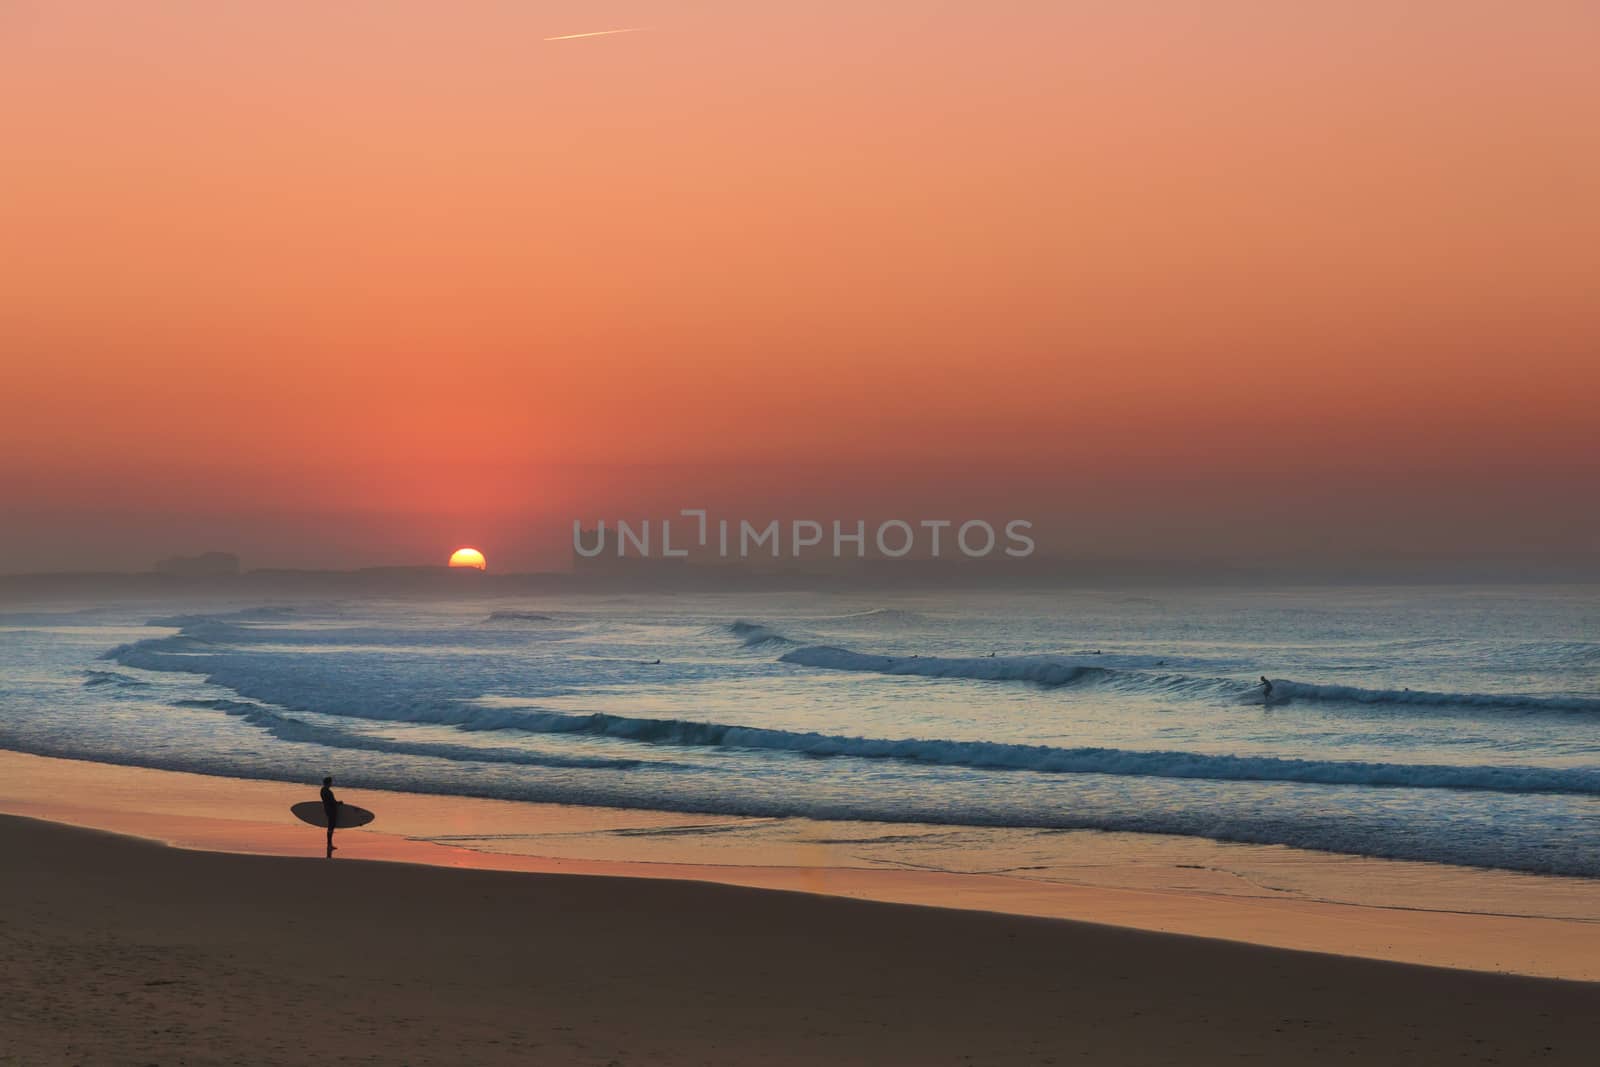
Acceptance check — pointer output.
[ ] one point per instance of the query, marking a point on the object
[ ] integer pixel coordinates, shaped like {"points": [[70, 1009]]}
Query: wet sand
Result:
{"points": [[1429, 914], [123, 951]]}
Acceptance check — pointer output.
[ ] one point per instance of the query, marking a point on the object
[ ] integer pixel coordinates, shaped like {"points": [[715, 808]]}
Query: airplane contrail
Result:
{"points": [[597, 33]]}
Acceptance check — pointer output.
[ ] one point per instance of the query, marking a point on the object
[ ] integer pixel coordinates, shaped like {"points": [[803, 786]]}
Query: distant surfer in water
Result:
{"points": [[330, 808], [1266, 689]]}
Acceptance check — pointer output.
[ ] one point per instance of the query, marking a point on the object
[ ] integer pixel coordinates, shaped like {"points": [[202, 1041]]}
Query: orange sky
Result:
{"points": [[338, 284]]}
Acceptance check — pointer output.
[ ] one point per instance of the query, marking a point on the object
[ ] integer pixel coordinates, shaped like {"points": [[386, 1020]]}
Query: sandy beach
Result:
{"points": [[124, 951], [127, 950]]}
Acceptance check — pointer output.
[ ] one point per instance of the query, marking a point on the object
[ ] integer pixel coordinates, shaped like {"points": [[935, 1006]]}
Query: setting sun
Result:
{"points": [[468, 557]]}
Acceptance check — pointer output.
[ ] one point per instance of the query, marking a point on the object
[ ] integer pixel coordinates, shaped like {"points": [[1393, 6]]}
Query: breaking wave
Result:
{"points": [[1040, 670], [93, 679], [513, 617], [1048, 759], [289, 728], [755, 635], [1349, 694], [1145, 672], [986, 755]]}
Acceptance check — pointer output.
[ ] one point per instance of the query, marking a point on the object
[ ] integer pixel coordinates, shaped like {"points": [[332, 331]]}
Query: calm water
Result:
{"points": [[1456, 725]]}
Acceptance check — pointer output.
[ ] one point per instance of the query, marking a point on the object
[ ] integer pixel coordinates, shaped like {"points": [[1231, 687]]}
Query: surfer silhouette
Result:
{"points": [[330, 808], [1266, 688]]}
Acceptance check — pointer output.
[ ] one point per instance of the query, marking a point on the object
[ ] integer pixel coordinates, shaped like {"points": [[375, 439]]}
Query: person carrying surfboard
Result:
{"points": [[330, 813], [330, 808]]}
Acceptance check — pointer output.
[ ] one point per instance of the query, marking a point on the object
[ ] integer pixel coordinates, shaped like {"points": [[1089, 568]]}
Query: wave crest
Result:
{"points": [[95, 679], [1144, 673], [1040, 670], [514, 617], [986, 755], [289, 728], [756, 635]]}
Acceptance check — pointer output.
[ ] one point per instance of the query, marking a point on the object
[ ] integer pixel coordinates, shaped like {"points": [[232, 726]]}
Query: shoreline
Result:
{"points": [[121, 950], [1147, 890]]}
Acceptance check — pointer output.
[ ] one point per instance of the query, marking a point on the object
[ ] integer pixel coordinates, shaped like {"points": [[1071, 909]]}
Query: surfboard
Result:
{"points": [[349, 815]]}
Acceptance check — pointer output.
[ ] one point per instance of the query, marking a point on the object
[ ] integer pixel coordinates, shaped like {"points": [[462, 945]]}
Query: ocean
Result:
{"points": [[1443, 724]]}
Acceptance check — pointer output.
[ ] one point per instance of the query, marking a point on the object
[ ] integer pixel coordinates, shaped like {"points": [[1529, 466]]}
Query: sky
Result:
{"points": [[354, 284]]}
